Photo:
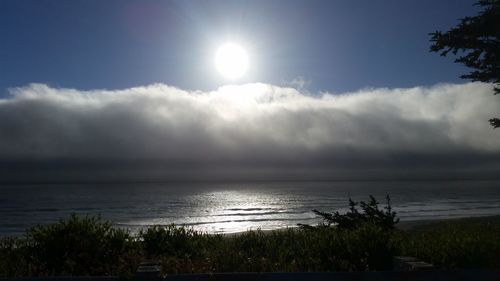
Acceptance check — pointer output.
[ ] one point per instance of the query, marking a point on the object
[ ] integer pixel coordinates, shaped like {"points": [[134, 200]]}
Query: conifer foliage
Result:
{"points": [[476, 41]]}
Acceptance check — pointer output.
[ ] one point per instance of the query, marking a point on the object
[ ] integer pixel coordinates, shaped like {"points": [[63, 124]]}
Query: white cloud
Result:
{"points": [[299, 83], [252, 124]]}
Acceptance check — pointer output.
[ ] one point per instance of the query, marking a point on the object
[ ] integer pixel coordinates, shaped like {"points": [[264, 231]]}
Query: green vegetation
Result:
{"points": [[77, 246], [91, 246], [464, 243]]}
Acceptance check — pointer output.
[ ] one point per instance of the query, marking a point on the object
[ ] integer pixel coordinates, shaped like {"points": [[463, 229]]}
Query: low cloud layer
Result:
{"points": [[164, 132]]}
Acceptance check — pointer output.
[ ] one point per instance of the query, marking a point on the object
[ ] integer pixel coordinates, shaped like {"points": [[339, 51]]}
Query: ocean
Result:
{"points": [[231, 207]]}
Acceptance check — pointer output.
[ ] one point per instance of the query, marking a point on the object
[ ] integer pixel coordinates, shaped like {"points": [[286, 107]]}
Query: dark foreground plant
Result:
{"points": [[465, 243], [90, 246], [78, 246], [176, 241], [12, 257], [368, 213]]}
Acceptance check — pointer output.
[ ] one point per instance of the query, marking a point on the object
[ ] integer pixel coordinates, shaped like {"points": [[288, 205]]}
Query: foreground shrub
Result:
{"points": [[175, 241], [12, 257], [78, 246], [369, 213], [368, 247], [465, 243], [361, 239], [90, 246]]}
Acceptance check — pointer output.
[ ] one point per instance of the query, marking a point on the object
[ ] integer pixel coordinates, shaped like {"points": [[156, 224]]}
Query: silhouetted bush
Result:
{"points": [[77, 246], [174, 241], [369, 214], [12, 257]]}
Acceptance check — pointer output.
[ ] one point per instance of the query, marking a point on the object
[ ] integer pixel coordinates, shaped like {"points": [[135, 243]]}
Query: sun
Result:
{"points": [[231, 60]]}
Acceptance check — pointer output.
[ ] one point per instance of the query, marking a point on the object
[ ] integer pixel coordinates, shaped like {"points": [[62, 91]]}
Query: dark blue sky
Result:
{"points": [[335, 45]]}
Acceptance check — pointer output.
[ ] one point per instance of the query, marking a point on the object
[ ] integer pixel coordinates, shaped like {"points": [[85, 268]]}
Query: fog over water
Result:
{"points": [[247, 132]]}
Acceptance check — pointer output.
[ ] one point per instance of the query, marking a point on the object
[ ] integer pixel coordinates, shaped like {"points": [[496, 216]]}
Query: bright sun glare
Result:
{"points": [[231, 60]]}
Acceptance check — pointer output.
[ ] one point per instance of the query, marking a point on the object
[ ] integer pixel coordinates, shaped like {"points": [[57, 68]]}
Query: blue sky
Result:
{"points": [[336, 46]]}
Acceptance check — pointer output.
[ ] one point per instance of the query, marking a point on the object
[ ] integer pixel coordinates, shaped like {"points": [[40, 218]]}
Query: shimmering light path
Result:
{"points": [[235, 207]]}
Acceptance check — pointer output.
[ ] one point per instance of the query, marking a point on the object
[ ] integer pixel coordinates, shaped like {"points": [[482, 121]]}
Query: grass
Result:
{"points": [[463, 243], [90, 246]]}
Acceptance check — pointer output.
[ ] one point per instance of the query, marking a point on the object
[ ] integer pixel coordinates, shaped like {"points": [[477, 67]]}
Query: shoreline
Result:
{"points": [[405, 225], [413, 224], [408, 225]]}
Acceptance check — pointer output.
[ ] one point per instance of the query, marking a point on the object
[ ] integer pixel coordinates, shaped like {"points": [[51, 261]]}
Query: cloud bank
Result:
{"points": [[161, 132]]}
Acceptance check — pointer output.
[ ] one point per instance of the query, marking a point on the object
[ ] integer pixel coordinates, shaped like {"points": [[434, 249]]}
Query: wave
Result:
{"points": [[249, 209], [214, 222], [260, 214]]}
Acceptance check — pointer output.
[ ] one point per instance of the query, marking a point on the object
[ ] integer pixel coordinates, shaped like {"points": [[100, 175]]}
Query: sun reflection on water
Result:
{"points": [[236, 211], [232, 211]]}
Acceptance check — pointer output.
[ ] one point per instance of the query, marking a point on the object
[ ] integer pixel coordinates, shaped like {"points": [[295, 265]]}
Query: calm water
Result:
{"points": [[234, 207]]}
